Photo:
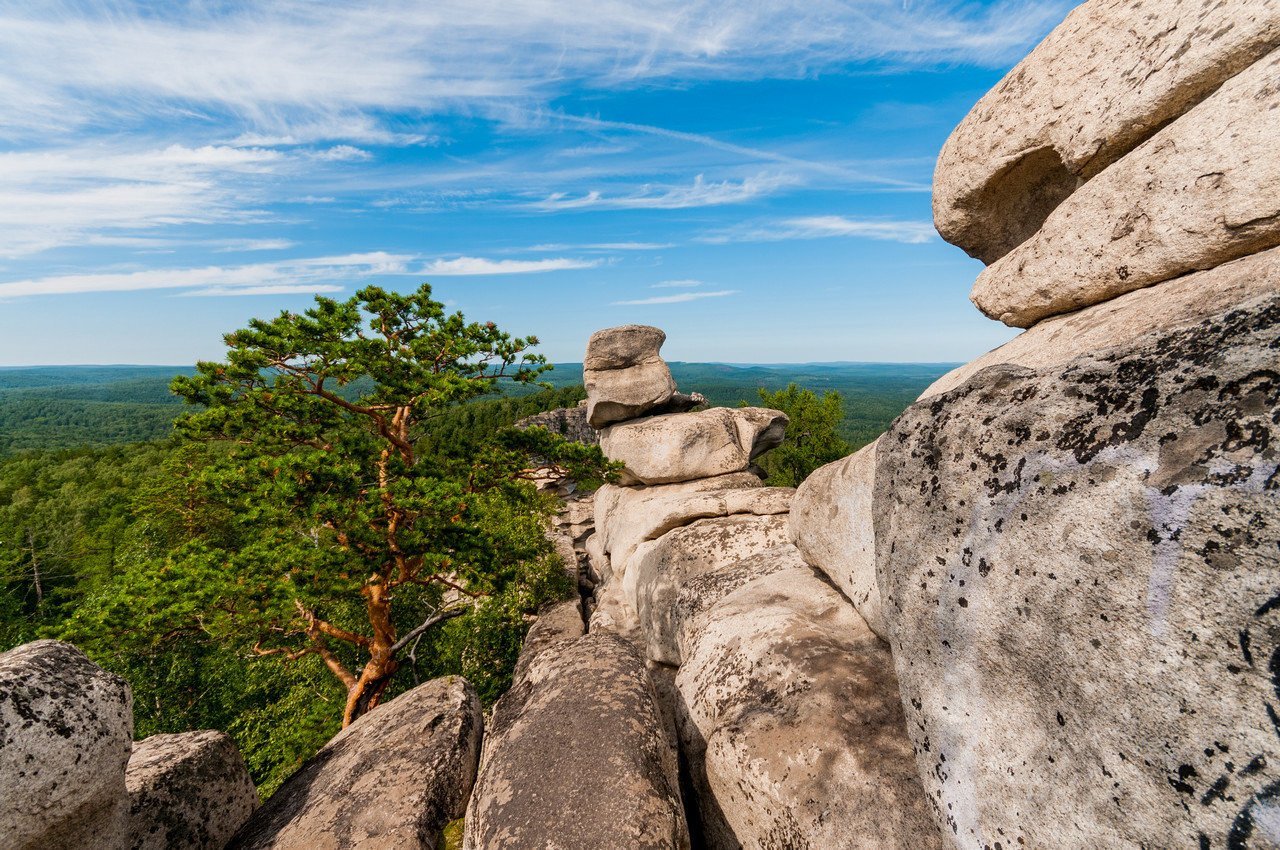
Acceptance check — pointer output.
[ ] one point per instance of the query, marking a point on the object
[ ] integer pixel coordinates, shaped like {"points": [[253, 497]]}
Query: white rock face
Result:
{"points": [[624, 375], [1106, 79], [684, 446], [66, 731], [189, 791], [790, 714], [832, 526], [1199, 193], [613, 504], [658, 568], [1079, 572], [1177, 303]]}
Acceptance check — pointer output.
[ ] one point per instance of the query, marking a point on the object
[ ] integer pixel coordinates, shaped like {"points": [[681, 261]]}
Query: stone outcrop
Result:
{"points": [[66, 731], [188, 791], [791, 712], [576, 758], [1111, 76], [624, 375], [682, 447], [1198, 193], [392, 779], [557, 624], [1079, 567], [569, 422]]}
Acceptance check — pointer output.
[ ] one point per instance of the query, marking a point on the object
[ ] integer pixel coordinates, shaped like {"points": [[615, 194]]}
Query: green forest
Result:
{"points": [[272, 544]]}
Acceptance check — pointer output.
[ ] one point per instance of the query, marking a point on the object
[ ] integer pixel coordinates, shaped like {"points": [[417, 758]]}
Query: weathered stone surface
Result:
{"points": [[189, 791], [1199, 193], [1111, 75], [614, 615], [598, 560], [684, 446], [66, 730], [1079, 571], [576, 758], [392, 779], [658, 568], [831, 525], [613, 503], [790, 716], [556, 625], [568, 422], [624, 375], [1177, 303]]}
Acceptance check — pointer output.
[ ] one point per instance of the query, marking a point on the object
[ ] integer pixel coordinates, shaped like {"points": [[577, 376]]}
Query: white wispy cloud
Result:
{"points": [[483, 266], [677, 284], [700, 193], [827, 226], [676, 299], [278, 289], [599, 246]]}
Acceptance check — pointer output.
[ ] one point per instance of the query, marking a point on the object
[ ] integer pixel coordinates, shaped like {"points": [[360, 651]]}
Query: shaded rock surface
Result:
{"points": [[681, 447], [1105, 80], [576, 758], [1199, 193], [569, 422], [392, 779], [790, 714], [66, 731], [624, 375], [831, 524], [187, 791], [1079, 571]]}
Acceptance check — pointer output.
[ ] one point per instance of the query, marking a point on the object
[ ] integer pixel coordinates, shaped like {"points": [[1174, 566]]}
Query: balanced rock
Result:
{"points": [[1079, 574], [832, 526], [392, 779], [681, 447], [66, 731], [790, 715], [624, 375], [1199, 193], [658, 568], [576, 758], [1178, 303], [189, 791], [1111, 75]]}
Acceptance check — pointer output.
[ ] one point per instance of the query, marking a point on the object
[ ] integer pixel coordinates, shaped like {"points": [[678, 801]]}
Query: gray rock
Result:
{"points": [[558, 623], [392, 779], [576, 758], [624, 375], [189, 791], [623, 347], [1079, 572], [684, 446], [790, 715], [1199, 193], [1111, 75], [66, 731], [568, 422]]}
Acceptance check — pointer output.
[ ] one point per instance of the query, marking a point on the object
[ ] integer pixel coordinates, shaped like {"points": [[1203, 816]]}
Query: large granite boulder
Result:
{"points": [[614, 505], [1111, 75], [624, 375], [1079, 571], [66, 731], [831, 525], [392, 779], [684, 446], [1178, 303], [1200, 192], [557, 624], [576, 758], [790, 715], [189, 791], [659, 567]]}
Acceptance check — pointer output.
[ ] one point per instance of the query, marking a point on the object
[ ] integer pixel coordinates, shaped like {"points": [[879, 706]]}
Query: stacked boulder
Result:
{"points": [[1072, 543]]}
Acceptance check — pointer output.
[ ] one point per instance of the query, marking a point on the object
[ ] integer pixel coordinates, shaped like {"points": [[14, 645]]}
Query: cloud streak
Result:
{"points": [[700, 193], [828, 226], [482, 266], [681, 298]]}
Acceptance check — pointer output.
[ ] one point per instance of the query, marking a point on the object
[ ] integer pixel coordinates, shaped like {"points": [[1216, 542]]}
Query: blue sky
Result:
{"points": [[752, 177]]}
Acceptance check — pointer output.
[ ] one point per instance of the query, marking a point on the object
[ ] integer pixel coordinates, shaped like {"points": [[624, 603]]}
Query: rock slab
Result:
{"points": [[1079, 572], [678, 447]]}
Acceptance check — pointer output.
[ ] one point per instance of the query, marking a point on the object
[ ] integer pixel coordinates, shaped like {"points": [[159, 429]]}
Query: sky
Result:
{"points": [[752, 176]]}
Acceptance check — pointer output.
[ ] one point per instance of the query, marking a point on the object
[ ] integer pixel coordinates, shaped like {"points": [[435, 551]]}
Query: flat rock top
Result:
{"points": [[623, 347]]}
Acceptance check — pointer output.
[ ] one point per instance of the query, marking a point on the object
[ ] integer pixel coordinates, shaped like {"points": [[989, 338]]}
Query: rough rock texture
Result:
{"points": [[1199, 193], [576, 758], [557, 624], [1106, 79], [66, 730], [624, 375], [392, 779], [613, 614], [658, 568], [189, 791], [613, 503], [1079, 571], [684, 446], [600, 570], [831, 525], [1177, 303], [568, 422], [790, 715]]}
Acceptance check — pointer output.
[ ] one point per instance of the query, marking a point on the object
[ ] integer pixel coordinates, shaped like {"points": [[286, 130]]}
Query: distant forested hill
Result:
{"points": [[67, 406]]}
